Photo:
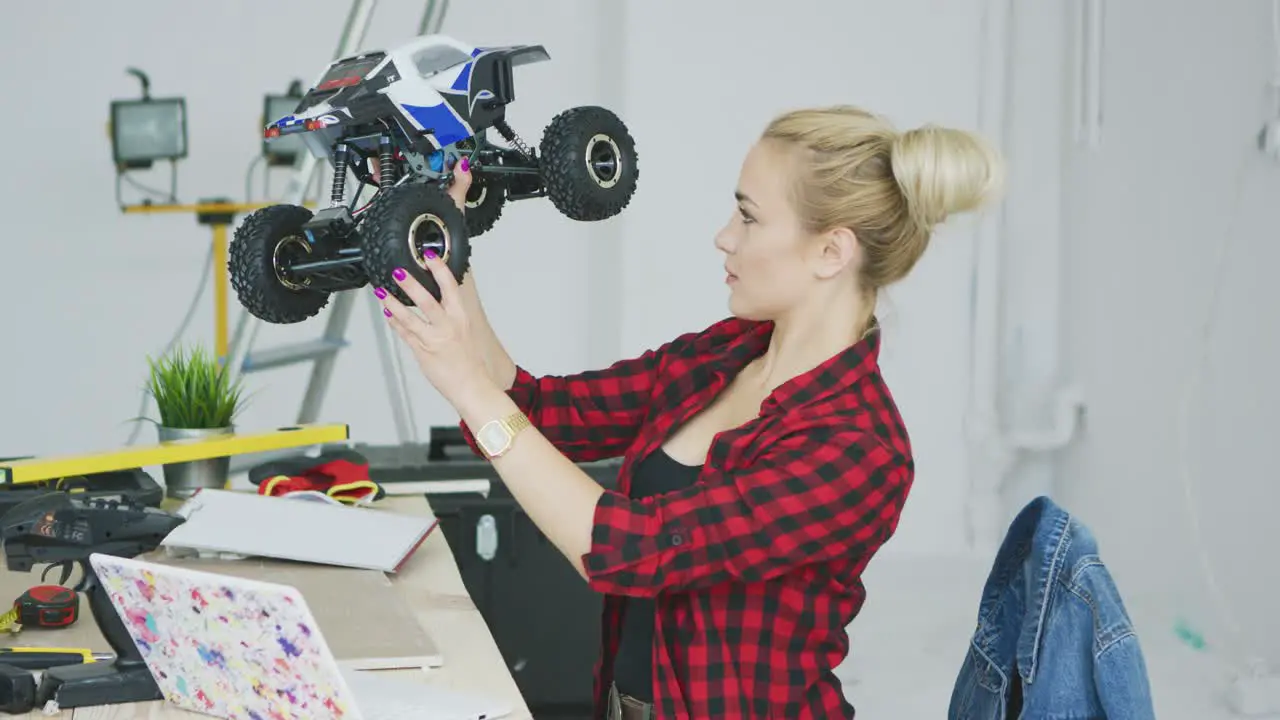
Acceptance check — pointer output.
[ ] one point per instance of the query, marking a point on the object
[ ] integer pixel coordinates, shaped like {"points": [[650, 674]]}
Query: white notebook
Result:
{"points": [[243, 523]]}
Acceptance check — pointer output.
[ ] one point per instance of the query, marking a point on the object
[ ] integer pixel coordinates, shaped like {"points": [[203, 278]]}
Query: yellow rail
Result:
{"points": [[217, 215], [173, 451], [197, 208]]}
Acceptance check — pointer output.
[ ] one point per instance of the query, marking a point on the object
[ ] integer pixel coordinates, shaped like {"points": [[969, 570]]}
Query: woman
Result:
{"points": [[765, 461]]}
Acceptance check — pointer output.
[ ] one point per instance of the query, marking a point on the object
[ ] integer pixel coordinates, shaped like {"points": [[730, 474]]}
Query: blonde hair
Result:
{"points": [[890, 188]]}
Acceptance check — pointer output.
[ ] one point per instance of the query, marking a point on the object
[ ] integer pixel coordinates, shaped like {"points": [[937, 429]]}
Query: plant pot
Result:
{"points": [[182, 480]]}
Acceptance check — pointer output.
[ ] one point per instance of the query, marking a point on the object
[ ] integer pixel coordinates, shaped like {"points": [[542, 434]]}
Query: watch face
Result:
{"points": [[492, 438]]}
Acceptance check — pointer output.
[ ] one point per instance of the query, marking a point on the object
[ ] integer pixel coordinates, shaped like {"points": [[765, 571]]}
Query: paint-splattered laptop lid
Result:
{"points": [[225, 646]]}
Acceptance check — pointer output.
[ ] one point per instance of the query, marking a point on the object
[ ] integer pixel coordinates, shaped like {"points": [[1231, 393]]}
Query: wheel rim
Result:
{"points": [[428, 232], [481, 191], [604, 160], [286, 252]]}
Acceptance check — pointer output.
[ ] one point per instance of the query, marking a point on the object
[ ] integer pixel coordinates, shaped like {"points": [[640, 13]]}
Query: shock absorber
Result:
{"points": [[386, 163], [510, 136], [338, 195]]}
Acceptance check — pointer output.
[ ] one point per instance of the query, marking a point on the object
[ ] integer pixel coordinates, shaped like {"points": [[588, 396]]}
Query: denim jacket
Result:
{"points": [[1054, 641]]}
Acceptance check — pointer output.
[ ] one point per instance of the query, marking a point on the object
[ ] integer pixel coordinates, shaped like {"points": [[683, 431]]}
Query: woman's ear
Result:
{"points": [[838, 250]]}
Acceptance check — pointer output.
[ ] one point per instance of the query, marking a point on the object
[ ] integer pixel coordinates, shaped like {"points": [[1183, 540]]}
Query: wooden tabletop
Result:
{"points": [[430, 583]]}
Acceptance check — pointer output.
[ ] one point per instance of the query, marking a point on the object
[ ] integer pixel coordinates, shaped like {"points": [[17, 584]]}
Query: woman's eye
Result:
{"points": [[745, 217]]}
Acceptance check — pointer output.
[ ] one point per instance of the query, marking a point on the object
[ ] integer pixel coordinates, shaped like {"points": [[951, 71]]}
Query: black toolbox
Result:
{"points": [[544, 618]]}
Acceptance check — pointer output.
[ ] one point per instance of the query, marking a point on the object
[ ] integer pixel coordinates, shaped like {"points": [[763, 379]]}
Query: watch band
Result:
{"points": [[515, 422]]}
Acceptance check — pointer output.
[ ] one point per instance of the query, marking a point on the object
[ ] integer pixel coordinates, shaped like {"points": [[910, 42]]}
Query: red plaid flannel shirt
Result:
{"points": [[756, 569]]}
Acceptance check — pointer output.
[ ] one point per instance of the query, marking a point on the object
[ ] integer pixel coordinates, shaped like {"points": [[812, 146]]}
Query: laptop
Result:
{"points": [[229, 647]]}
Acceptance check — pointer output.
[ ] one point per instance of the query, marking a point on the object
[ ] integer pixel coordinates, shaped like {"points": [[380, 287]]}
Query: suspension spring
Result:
{"points": [[386, 163], [338, 195], [510, 136]]}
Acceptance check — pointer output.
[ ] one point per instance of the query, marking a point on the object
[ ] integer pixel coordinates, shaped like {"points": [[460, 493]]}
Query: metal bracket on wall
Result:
{"points": [[1002, 447], [1067, 414], [996, 451]]}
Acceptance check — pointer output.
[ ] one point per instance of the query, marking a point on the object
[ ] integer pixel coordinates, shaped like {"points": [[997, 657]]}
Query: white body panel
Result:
{"points": [[419, 80]]}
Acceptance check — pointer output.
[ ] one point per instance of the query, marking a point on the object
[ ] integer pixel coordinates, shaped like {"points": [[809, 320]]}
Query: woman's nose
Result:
{"points": [[724, 239]]}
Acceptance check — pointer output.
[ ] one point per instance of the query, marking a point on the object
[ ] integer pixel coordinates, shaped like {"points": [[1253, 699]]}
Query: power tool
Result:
{"points": [[60, 530], [135, 484]]}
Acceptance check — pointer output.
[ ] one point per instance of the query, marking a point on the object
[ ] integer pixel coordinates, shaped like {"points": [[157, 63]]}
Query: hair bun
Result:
{"points": [[944, 171]]}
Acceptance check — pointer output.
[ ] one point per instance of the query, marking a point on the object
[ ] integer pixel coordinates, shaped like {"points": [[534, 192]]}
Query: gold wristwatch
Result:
{"points": [[496, 436]]}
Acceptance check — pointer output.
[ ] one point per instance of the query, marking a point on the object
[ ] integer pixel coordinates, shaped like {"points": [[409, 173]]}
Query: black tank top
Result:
{"points": [[633, 665]]}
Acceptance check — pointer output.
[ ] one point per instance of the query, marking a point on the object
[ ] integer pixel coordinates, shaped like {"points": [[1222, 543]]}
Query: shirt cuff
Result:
{"points": [[631, 546], [521, 392]]}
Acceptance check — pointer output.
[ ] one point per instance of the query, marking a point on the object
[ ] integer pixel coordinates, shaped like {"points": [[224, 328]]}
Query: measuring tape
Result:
{"points": [[45, 606]]}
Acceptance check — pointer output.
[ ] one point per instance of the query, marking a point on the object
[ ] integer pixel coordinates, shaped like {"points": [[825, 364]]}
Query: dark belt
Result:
{"points": [[625, 707]]}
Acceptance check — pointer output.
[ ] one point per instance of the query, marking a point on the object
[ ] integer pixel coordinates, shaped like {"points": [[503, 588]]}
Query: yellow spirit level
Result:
{"points": [[33, 470]]}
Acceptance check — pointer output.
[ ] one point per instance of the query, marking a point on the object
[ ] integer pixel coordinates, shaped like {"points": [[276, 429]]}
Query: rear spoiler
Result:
{"points": [[500, 61], [519, 54]]}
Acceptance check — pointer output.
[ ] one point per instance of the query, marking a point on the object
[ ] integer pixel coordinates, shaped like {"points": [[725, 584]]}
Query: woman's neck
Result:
{"points": [[808, 337]]}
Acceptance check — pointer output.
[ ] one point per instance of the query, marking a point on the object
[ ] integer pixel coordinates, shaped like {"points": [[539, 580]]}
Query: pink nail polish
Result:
{"points": [[429, 254], [386, 312], [465, 165], [382, 294], [399, 274]]}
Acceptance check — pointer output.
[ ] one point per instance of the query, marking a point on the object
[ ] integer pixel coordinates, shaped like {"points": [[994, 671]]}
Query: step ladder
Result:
{"points": [[322, 352]]}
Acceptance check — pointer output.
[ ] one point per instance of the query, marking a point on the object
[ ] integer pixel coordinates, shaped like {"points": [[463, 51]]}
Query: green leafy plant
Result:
{"points": [[193, 390]]}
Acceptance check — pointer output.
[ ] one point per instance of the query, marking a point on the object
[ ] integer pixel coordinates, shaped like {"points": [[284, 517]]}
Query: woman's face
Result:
{"points": [[768, 254]]}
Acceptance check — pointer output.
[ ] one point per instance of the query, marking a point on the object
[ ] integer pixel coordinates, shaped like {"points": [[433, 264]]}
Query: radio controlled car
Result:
{"points": [[419, 109]]}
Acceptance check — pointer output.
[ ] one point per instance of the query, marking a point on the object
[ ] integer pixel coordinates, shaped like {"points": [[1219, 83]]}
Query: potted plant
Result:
{"points": [[195, 398]]}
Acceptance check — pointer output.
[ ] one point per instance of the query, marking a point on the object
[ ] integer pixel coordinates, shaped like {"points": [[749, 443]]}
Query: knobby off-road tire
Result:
{"points": [[485, 199], [588, 163], [402, 222], [267, 238]]}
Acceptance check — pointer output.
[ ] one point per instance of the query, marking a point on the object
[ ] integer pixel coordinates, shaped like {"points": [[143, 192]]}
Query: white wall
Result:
{"points": [[1177, 178]]}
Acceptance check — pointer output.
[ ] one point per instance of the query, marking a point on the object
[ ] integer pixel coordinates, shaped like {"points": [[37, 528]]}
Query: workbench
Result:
{"points": [[429, 583]]}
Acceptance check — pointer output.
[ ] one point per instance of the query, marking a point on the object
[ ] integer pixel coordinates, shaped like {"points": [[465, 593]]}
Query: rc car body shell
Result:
{"points": [[437, 90]]}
